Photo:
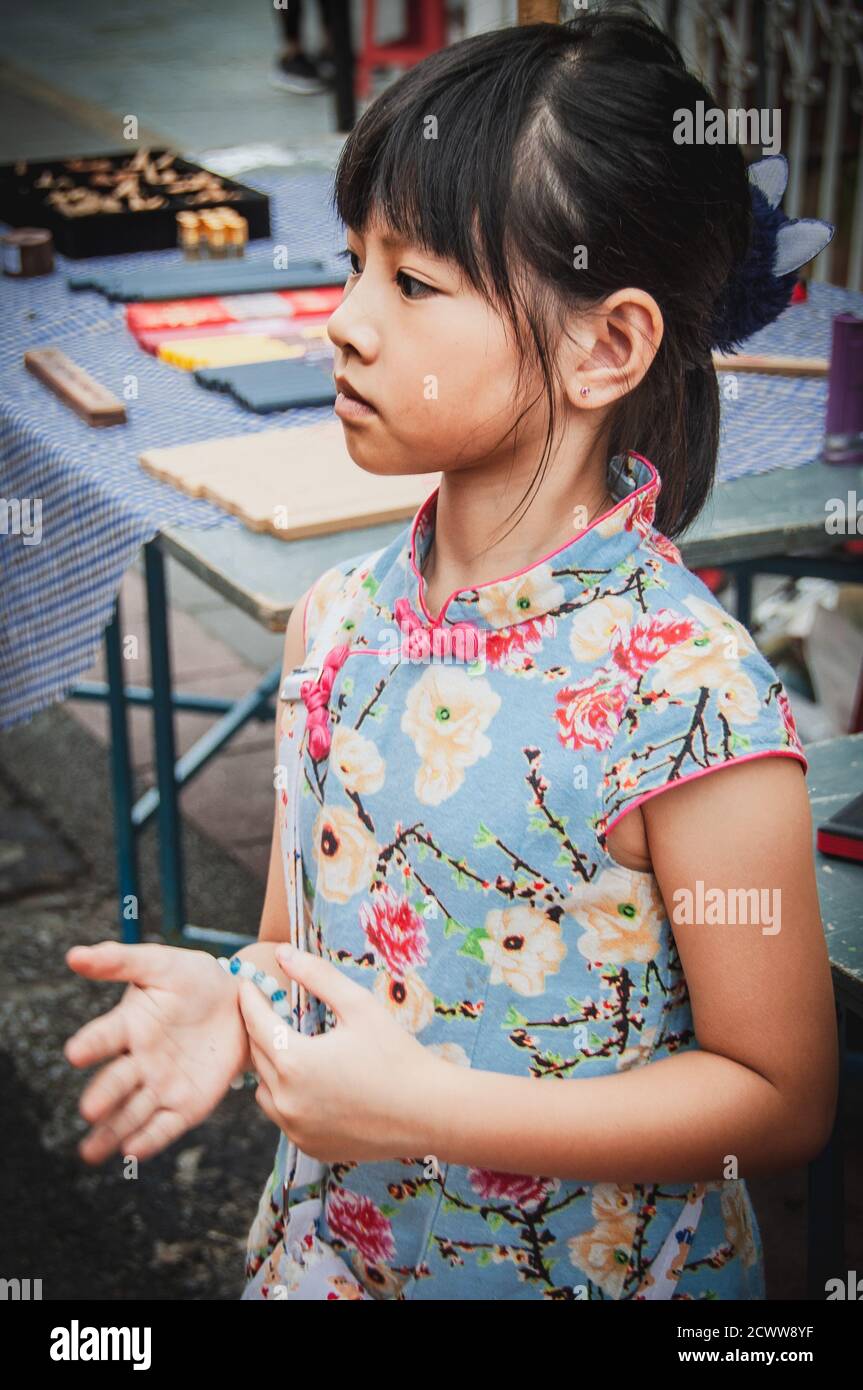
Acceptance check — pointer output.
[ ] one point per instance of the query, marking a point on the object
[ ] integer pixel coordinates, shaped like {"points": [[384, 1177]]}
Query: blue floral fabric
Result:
{"points": [[456, 797]]}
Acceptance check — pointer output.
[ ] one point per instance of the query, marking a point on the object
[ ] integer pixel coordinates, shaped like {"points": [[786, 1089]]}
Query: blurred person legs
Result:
{"points": [[294, 70], [338, 58]]}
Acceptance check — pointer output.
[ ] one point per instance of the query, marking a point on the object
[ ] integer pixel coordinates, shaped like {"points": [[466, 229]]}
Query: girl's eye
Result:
{"points": [[400, 278], [346, 254]]}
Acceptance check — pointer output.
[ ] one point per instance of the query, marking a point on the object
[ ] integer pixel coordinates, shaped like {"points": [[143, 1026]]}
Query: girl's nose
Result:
{"points": [[351, 327]]}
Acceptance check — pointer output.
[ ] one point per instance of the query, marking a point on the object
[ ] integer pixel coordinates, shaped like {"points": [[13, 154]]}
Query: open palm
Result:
{"points": [[177, 1037]]}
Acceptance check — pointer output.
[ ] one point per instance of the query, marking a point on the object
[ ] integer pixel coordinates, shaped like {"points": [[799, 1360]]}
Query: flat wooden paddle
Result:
{"points": [[776, 366]]}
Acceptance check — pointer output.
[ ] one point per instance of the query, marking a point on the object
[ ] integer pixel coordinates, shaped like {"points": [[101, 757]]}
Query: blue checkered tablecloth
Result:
{"points": [[98, 506]]}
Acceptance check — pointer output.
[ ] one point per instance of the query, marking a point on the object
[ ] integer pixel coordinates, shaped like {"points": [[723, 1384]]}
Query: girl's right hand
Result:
{"points": [[178, 1039]]}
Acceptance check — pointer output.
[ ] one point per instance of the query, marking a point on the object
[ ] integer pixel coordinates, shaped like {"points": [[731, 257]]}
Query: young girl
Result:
{"points": [[574, 990]]}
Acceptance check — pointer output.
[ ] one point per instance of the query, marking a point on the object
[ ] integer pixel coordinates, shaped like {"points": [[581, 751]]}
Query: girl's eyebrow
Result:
{"points": [[393, 243]]}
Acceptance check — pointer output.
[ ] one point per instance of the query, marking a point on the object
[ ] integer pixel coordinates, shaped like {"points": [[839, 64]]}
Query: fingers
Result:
{"points": [[112, 1134], [264, 1099], [160, 1131], [144, 963], [260, 1019], [263, 1064], [102, 1037], [324, 980], [109, 1089]]}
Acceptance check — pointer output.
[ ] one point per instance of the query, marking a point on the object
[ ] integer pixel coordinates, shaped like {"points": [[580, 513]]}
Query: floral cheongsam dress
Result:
{"points": [[453, 832]]}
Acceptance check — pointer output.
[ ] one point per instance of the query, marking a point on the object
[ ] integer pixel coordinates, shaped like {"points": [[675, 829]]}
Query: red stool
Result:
{"points": [[426, 33]]}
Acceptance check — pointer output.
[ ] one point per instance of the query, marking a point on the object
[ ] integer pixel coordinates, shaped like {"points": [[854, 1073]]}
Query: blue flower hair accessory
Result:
{"points": [[761, 285]]}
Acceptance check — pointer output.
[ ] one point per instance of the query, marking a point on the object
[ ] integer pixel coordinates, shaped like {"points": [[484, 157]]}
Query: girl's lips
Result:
{"points": [[348, 409]]}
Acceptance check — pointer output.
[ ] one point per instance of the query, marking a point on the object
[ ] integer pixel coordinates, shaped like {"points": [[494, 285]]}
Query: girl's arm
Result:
{"points": [[760, 1089]]}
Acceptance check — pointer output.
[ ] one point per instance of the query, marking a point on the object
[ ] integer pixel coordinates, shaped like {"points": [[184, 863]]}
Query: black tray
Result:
{"points": [[113, 233]]}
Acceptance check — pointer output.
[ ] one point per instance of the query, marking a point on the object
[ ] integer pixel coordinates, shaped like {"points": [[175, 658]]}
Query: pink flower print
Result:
{"points": [[519, 1188], [394, 931], [635, 649], [664, 547], [316, 695], [788, 719], [358, 1222], [421, 640], [641, 513], [590, 712], [509, 646]]}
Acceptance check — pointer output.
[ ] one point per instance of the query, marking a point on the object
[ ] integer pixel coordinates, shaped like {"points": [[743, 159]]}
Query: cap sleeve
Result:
{"points": [[697, 696]]}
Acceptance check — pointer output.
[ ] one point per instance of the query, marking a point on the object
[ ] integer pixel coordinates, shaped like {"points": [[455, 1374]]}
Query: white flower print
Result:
{"points": [[523, 946], [516, 600], [445, 715], [356, 761], [593, 626]]}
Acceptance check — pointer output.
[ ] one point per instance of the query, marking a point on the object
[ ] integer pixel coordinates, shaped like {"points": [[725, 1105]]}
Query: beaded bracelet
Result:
{"points": [[247, 970]]}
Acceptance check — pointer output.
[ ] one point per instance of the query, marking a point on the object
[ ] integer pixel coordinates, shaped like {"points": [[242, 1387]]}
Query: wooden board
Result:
{"points": [[771, 364], [291, 483], [76, 388]]}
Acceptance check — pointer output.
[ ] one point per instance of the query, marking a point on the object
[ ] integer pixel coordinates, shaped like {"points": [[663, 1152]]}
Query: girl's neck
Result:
{"points": [[473, 507]]}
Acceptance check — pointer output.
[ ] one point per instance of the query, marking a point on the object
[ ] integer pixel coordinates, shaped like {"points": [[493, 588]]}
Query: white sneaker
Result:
{"points": [[297, 75]]}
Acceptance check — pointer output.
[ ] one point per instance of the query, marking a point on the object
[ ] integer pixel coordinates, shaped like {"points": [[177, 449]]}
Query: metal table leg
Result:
{"points": [[162, 801], [170, 829], [121, 782]]}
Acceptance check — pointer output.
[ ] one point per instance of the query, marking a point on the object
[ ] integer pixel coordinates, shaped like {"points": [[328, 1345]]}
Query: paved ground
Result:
{"points": [[195, 77], [178, 1231]]}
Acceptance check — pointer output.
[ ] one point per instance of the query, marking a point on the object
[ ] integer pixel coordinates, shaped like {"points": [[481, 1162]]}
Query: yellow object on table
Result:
{"points": [[227, 350]]}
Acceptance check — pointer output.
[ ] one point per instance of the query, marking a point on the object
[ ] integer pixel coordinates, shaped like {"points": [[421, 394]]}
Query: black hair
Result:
{"points": [[554, 136]]}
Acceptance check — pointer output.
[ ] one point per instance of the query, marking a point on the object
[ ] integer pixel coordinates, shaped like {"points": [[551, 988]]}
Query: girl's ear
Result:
{"points": [[610, 348]]}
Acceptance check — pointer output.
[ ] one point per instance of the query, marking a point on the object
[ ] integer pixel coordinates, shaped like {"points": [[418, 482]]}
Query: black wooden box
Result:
{"points": [[100, 232]]}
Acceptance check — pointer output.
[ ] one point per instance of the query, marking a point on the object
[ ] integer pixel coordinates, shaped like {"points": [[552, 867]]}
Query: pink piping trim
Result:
{"points": [[653, 480], [715, 767]]}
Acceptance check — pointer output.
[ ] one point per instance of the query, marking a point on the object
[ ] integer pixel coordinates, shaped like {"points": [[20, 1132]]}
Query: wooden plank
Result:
{"points": [[75, 387], [292, 483], [771, 513], [774, 514], [771, 366], [261, 575]]}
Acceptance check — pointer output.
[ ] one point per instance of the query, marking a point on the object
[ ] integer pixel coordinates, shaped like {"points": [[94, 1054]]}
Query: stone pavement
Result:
{"points": [[196, 77]]}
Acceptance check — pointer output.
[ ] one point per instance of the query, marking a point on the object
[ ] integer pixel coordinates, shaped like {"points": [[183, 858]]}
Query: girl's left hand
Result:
{"points": [[359, 1091]]}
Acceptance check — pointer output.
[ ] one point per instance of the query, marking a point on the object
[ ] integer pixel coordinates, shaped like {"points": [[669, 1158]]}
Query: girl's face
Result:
{"points": [[416, 340]]}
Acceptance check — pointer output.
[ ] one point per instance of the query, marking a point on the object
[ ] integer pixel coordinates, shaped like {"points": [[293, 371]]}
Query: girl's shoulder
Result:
{"points": [[694, 694], [336, 595], [693, 631]]}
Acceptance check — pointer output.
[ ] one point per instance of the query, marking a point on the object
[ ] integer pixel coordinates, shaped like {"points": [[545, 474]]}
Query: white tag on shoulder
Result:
{"points": [[293, 680]]}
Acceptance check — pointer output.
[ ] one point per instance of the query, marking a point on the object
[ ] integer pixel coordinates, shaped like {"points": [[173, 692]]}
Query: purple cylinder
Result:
{"points": [[843, 441]]}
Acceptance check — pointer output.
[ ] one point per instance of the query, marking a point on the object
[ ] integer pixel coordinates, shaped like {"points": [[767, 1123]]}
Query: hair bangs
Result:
{"points": [[432, 161]]}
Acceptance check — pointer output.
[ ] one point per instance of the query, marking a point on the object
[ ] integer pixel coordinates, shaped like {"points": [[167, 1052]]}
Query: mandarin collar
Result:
{"points": [[557, 580]]}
